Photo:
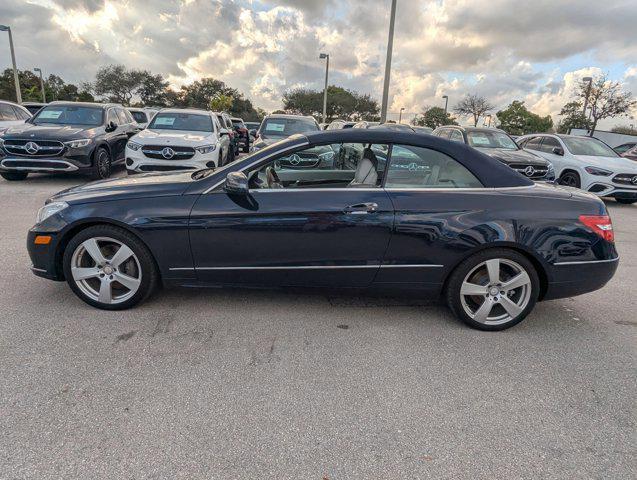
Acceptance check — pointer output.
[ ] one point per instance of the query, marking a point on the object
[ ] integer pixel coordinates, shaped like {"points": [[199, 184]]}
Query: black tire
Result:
{"points": [[625, 201], [14, 176], [102, 164], [454, 297], [148, 269], [570, 179], [246, 148]]}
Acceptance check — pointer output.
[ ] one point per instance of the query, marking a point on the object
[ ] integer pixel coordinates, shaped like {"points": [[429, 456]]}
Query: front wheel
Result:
{"points": [[102, 164], [109, 268], [570, 179], [14, 176], [625, 201], [493, 290]]}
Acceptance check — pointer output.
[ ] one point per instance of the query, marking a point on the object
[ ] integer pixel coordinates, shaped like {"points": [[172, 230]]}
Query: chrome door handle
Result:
{"points": [[361, 208]]}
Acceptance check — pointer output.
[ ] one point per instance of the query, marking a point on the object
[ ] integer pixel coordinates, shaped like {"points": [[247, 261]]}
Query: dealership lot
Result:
{"points": [[272, 384]]}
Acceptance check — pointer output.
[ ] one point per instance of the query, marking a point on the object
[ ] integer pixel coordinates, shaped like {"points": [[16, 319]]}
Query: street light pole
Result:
{"points": [[446, 97], [400, 115], [390, 47], [36, 69], [588, 92], [18, 93], [327, 73]]}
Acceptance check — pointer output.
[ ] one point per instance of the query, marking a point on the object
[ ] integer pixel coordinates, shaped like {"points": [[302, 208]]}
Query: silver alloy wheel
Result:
{"points": [[106, 270], [496, 291]]}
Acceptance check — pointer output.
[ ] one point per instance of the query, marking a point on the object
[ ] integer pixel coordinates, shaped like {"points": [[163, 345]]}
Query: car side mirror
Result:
{"points": [[111, 126], [223, 132], [558, 151], [236, 184]]}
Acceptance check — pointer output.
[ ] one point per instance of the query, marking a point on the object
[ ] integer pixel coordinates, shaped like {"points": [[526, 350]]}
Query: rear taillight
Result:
{"points": [[600, 224]]}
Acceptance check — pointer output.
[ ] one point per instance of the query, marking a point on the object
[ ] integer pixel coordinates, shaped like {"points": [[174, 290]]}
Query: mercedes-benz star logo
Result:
{"points": [[529, 171], [168, 153], [295, 160], [412, 167], [634, 180], [32, 148]]}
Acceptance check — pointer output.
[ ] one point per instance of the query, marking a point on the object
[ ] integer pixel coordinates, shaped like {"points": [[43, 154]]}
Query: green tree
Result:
{"points": [[433, 117], [624, 129], [341, 103], [572, 117], [516, 119], [201, 93], [221, 103], [605, 98], [473, 106], [116, 83], [54, 87]]}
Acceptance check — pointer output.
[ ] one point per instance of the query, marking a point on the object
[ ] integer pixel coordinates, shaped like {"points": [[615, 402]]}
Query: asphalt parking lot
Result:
{"points": [[268, 384]]}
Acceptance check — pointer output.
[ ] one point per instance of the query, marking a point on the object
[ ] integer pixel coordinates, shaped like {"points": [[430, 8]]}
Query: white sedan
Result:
{"points": [[586, 163]]}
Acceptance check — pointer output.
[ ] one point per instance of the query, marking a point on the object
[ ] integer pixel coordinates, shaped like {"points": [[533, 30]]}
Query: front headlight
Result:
{"points": [[50, 209], [600, 172], [326, 157], [78, 143], [133, 146], [206, 148]]}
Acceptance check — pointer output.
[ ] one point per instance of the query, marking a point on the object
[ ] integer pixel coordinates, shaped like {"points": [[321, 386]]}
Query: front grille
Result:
{"points": [[530, 171], [178, 153], [35, 164], [626, 179], [162, 168], [33, 148], [300, 160]]}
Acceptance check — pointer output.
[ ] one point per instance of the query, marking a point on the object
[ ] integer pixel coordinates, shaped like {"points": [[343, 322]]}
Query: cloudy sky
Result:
{"points": [[534, 50]]}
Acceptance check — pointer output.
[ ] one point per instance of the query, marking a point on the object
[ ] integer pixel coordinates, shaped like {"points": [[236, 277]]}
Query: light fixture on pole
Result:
{"points": [[39, 70], [327, 73], [390, 47], [18, 93], [400, 115], [588, 92], [446, 97]]}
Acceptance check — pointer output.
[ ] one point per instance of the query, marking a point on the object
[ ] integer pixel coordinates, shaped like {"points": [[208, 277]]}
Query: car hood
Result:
{"points": [[617, 164], [514, 156], [136, 186], [48, 132], [171, 137]]}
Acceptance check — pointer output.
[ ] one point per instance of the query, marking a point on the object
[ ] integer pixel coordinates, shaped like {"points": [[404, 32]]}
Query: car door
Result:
{"points": [[310, 228], [117, 138], [431, 193]]}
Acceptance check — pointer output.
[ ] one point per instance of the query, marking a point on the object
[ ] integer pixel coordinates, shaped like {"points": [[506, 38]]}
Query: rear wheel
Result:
{"points": [[493, 290], [625, 201], [570, 179], [109, 268], [14, 176]]}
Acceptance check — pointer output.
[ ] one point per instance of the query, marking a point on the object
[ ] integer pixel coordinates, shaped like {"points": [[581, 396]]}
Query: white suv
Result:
{"points": [[586, 163], [178, 139]]}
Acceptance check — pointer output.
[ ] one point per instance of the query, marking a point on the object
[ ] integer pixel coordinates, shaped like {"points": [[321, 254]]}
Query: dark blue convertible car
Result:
{"points": [[377, 209]]}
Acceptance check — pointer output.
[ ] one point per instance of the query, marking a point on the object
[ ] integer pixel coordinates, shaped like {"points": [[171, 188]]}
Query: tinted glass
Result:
{"points": [[548, 144], [111, 116], [444, 133], [238, 123], [417, 167], [491, 140], [533, 143], [21, 114], [122, 116], [190, 122], [69, 115], [456, 136], [588, 146], [624, 148], [284, 127], [7, 113], [140, 117]]}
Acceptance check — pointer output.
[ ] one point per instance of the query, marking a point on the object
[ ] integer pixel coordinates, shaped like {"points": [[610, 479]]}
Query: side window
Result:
{"points": [[129, 117], [122, 116], [456, 136], [444, 133], [7, 112], [21, 114], [533, 143], [217, 125], [548, 144], [418, 167], [111, 116], [347, 165]]}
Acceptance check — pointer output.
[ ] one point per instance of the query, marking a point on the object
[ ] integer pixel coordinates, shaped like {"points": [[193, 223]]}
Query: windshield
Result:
{"points": [[140, 117], [588, 146], [238, 123], [491, 140], [69, 115], [190, 122], [284, 127]]}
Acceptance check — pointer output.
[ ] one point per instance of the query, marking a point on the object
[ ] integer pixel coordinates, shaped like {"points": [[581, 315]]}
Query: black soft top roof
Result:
{"points": [[491, 172]]}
